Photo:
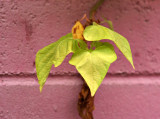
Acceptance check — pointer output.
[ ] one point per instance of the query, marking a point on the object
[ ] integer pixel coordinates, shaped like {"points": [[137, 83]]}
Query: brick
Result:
{"points": [[117, 97], [27, 26]]}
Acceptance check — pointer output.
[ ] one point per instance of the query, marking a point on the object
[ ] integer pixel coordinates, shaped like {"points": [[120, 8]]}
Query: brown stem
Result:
{"points": [[84, 17], [85, 103]]}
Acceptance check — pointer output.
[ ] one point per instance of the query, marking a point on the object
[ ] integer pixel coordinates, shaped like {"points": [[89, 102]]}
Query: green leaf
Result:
{"points": [[55, 53], [97, 32], [94, 64]]}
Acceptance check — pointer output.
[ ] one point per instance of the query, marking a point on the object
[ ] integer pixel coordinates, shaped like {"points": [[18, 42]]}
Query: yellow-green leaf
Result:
{"points": [[94, 64], [55, 53], [97, 32]]}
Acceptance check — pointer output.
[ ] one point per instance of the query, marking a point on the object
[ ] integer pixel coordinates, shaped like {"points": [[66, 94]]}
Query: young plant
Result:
{"points": [[92, 60]]}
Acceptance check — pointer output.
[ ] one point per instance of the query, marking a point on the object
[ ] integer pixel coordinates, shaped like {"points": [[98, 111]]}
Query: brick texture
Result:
{"points": [[28, 25]]}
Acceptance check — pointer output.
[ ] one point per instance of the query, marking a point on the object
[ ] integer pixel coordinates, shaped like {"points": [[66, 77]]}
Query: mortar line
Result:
{"points": [[33, 75], [75, 81]]}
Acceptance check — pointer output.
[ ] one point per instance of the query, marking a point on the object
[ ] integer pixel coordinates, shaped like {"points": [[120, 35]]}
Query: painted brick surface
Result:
{"points": [[28, 25], [126, 98]]}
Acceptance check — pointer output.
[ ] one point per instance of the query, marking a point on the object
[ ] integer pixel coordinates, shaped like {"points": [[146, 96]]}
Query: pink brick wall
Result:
{"points": [[27, 26]]}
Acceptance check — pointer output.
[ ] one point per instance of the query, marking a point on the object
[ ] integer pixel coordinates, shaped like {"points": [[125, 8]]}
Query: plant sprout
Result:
{"points": [[92, 60]]}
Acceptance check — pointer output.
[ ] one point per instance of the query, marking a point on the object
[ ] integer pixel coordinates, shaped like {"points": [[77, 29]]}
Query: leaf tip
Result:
{"points": [[40, 88], [92, 94], [133, 66], [93, 91]]}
